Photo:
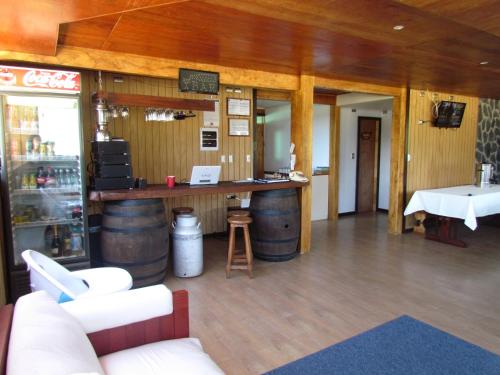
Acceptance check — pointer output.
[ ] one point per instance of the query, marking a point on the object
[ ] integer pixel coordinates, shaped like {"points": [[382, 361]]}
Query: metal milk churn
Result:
{"points": [[187, 246], [483, 174]]}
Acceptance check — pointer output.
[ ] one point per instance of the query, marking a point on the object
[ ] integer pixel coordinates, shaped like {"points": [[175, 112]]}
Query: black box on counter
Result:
{"points": [[110, 147], [112, 183], [111, 159], [106, 171]]}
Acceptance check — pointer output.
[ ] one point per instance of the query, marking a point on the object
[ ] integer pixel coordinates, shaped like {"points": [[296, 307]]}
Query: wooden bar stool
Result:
{"points": [[237, 213], [239, 259]]}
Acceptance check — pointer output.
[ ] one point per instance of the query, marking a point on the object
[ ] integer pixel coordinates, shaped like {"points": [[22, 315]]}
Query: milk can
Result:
{"points": [[187, 246]]}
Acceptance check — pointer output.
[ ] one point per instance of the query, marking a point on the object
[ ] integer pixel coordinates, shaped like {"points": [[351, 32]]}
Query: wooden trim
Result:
{"points": [[327, 99], [301, 135], [333, 174], [162, 191], [87, 58], [285, 96], [167, 327], [351, 86], [398, 141]]}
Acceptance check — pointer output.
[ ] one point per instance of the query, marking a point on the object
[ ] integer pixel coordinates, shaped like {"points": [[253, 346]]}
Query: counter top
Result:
{"points": [[162, 191]]}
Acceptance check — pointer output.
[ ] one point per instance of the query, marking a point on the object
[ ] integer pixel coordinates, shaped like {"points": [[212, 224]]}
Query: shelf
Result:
{"points": [[24, 192], [25, 158], [22, 131], [35, 224], [156, 101]]}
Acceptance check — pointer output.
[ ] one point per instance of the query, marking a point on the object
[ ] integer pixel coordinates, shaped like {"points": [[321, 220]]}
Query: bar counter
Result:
{"points": [[162, 191]]}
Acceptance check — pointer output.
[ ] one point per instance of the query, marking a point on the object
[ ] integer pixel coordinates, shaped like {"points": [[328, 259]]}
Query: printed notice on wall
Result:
{"points": [[238, 126], [238, 107], [211, 119]]}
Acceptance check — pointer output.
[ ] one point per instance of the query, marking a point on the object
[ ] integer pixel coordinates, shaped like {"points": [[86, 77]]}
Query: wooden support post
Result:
{"points": [[398, 137], [302, 121], [333, 175]]}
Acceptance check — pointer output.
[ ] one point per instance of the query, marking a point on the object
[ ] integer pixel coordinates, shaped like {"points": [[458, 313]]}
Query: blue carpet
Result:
{"points": [[403, 346]]}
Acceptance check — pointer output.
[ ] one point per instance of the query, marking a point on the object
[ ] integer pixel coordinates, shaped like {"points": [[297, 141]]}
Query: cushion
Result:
{"points": [[47, 340], [121, 308], [180, 356]]}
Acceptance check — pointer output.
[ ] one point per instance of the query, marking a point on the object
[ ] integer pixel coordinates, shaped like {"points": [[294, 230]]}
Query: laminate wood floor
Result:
{"points": [[356, 277]]}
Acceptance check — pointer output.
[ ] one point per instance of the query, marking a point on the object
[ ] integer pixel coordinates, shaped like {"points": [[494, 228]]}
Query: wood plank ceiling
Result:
{"points": [[440, 47]]}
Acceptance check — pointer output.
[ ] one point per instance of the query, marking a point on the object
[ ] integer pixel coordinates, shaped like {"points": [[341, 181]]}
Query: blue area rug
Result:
{"points": [[403, 346]]}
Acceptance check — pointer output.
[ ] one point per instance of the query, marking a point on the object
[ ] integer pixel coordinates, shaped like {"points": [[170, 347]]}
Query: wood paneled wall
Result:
{"points": [[439, 157], [159, 149]]}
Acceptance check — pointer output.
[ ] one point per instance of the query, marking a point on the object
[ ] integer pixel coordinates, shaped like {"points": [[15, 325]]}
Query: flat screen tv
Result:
{"points": [[449, 114]]}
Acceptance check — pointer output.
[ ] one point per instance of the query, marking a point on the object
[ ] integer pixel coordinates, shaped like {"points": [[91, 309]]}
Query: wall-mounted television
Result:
{"points": [[449, 114]]}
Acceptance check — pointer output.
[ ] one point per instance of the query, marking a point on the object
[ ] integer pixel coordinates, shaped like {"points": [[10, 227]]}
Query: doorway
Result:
{"points": [[367, 169]]}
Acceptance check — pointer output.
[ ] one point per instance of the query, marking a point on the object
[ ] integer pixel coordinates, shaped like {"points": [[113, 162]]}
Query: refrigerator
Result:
{"points": [[42, 170]]}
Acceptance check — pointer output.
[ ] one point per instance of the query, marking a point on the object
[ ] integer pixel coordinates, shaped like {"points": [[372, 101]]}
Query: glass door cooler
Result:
{"points": [[42, 181]]}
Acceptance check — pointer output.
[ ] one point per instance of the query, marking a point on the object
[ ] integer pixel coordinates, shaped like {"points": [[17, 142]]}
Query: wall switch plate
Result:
{"points": [[230, 158], [223, 158], [248, 158]]}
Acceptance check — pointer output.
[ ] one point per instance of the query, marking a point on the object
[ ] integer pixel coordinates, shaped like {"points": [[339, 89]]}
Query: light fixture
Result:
{"points": [[484, 63], [398, 27]]}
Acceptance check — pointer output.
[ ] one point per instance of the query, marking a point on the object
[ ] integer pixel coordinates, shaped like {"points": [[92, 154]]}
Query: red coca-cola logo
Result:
{"points": [[52, 80]]}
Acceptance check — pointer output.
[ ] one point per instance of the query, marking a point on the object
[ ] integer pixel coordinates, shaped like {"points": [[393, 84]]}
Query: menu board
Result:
{"points": [[198, 81]]}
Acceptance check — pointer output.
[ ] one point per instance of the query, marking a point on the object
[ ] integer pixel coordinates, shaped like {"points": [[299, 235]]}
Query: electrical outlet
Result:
{"points": [[223, 158], [248, 158], [230, 158]]}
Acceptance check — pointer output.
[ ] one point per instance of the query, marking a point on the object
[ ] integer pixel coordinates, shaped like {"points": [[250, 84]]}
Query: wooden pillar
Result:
{"points": [[398, 137], [333, 176], [302, 121]]}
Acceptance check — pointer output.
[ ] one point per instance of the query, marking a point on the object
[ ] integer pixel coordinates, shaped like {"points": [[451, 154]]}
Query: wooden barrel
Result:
{"points": [[134, 236], [276, 224]]}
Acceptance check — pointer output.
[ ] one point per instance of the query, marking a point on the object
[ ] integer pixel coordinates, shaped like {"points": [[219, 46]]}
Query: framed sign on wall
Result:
{"points": [[238, 107], [239, 126]]}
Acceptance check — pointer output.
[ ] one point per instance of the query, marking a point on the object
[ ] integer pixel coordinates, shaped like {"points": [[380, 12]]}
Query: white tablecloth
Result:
{"points": [[461, 202]]}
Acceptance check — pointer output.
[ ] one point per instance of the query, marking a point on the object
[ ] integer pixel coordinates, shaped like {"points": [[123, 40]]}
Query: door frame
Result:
{"points": [[377, 157]]}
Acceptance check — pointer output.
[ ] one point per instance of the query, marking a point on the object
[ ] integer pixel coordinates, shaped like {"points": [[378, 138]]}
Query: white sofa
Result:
{"points": [[80, 337]]}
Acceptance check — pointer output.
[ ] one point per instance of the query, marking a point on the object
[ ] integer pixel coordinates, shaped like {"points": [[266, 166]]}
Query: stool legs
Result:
{"points": [[248, 250], [239, 259], [230, 251]]}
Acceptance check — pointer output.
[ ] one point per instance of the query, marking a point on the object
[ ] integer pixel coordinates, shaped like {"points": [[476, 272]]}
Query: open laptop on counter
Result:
{"points": [[205, 175]]}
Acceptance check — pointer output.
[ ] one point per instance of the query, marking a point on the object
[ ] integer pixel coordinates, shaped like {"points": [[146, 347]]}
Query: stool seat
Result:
{"points": [[238, 213], [239, 259], [182, 210], [239, 220]]}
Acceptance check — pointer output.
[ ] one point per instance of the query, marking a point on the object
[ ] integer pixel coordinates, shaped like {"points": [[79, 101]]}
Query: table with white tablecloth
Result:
{"points": [[460, 202]]}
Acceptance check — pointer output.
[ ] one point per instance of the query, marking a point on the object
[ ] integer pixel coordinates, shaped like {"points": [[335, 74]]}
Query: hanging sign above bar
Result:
{"points": [[17, 78], [198, 81]]}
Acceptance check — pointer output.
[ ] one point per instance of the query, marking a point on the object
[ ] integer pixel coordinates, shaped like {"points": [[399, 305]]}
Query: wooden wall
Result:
{"points": [[172, 148], [439, 157]]}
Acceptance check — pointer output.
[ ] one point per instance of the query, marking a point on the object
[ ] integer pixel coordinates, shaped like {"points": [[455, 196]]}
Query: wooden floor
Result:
{"points": [[356, 277]]}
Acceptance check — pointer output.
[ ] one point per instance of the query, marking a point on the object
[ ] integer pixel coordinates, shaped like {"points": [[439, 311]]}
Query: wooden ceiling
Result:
{"points": [[440, 47]]}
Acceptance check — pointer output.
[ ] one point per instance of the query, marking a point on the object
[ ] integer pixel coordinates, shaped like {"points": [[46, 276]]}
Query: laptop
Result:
{"points": [[205, 175]]}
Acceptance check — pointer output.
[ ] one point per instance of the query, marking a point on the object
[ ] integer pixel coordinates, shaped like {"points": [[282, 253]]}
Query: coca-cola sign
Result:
{"points": [[39, 79]]}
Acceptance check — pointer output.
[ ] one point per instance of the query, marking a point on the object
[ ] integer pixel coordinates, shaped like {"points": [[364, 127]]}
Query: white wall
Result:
{"points": [[347, 164], [277, 137], [321, 136]]}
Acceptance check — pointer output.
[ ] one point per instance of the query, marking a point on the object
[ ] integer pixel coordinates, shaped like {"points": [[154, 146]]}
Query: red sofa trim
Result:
{"points": [[173, 326], [6, 314]]}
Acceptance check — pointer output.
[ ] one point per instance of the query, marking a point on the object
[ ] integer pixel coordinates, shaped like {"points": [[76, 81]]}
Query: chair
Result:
{"points": [[63, 285]]}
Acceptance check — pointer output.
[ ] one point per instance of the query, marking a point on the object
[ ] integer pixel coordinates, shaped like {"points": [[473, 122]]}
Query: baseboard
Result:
{"points": [[383, 210], [347, 213]]}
